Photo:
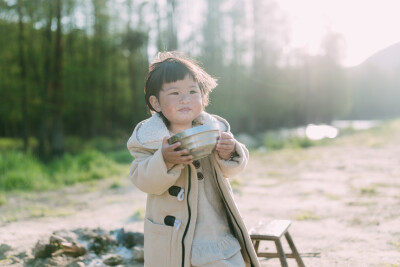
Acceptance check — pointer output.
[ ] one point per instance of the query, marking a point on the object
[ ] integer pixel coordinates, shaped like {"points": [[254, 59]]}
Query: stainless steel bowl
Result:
{"points": [[199, 140]]}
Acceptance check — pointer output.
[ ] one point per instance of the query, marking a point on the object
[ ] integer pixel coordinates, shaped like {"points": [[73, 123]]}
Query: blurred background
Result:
{"points": [[72, 74]]}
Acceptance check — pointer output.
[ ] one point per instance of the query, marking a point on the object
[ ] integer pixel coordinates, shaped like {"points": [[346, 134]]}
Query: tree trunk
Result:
{"points": [[131, 64], [22, 65], [172, 41], [57, 138], [212, 35], [44, 124], [159, 41], [114, 89]]}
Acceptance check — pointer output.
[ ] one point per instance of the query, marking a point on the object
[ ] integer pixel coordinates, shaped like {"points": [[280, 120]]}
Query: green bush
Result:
{"points": [[300, 142], [274, 141], [86, 166], [74, 144], [22, 171], [7, 144], [121, 156], [106, 144]]}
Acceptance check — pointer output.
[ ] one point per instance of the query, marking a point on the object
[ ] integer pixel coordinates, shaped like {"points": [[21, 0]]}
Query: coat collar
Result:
{"points": [[150, 133]]}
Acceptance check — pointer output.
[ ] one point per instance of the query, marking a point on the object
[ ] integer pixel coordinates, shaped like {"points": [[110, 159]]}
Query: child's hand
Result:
{"points": [[172, 157], [225, 145]]}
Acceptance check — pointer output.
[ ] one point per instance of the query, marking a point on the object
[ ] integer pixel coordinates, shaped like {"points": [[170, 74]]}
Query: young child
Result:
{"points": [[191, 217]]}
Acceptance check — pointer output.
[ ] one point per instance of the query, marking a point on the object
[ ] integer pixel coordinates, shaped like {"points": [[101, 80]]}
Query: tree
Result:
{"points": [[46, 88], [57, 124], [212, 55], [23, 81]]}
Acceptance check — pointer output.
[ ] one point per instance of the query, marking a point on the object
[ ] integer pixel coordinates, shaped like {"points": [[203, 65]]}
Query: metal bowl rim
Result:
{"points": [[193, 131]]}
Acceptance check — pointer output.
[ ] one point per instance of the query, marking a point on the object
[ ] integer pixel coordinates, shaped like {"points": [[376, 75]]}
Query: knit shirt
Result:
{"points": [[218, 243]]}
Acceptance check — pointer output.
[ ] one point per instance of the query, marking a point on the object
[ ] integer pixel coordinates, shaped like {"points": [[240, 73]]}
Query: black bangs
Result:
{"points": [[172, 71]]}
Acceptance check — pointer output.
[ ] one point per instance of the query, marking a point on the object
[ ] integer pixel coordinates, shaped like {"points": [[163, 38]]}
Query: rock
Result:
{"points": [[70, 249], [55, 239], [102, 244], [15, 259], [113, 260], [76, 264], [58, 261], [138, 254], [4, 248], [42, 250], [22, 255], [48, 262], [130, 239], [139, 239], [67, 235], [99, 240], [89, 234], [62, 250], [6, 262]]}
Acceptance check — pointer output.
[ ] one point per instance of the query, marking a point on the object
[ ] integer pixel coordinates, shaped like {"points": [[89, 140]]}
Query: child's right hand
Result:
{"points": [[172, 157]]}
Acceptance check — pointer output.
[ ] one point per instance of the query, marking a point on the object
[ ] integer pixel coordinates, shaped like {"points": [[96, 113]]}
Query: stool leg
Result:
{"points": [[294, 250], [256, 244], [281, 253]]}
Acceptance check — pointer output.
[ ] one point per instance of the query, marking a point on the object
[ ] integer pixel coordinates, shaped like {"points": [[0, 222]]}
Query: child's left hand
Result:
{"points": [[225, 145]]}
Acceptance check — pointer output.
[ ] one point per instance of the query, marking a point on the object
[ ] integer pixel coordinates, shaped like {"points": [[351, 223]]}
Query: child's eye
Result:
{"points": [[174, 93], [193, 92]]}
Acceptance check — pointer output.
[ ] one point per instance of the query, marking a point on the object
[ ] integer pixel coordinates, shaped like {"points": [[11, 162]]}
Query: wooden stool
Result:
{"points": [[273, 232]]}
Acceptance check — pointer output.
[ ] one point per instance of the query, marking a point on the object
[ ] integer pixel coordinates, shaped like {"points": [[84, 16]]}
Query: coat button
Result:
{"points": [[200, 176], [196, 164]]}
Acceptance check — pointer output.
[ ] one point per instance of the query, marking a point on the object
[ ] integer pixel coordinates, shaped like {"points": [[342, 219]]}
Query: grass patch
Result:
{"points": [[277, 142], [376, 137], [355, 221], [276, 174], [306, 215], [3, 199], [360, 204], [235, 184], [35, 211], [396, 244], [332, 197], [138, 215], [116, 184], [38, 212], [368, 191], [24, 172]]}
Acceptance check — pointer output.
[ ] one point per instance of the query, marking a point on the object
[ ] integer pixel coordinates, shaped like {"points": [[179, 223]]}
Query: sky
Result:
{"points": [[367, 26]]}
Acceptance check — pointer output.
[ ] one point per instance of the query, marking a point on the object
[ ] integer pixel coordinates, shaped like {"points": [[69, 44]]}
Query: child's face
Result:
{"points": [[180, 102]]}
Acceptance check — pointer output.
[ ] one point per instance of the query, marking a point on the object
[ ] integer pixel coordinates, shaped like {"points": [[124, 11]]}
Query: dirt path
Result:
{"points": [[343, 201]]}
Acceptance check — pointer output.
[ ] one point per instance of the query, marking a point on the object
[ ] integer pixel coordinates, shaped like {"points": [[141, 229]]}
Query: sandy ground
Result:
{"points": [[343, 201]]}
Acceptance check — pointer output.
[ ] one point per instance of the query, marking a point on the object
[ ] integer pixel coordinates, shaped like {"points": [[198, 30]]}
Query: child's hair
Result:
{"points": [[173, 66]]}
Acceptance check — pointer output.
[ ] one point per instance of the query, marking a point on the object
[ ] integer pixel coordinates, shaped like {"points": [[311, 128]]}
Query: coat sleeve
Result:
{"points": [[236, 163], [150, 174]]}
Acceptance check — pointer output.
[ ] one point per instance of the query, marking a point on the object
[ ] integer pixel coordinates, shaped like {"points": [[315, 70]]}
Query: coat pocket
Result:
{"points": [[157, 244]]}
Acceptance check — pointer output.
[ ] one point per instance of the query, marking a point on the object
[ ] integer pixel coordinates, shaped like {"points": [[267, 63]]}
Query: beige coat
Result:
{"points": [[170, 246]]}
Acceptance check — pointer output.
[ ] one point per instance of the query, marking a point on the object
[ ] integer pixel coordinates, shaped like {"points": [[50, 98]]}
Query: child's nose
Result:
{"points": [[185, 98]]}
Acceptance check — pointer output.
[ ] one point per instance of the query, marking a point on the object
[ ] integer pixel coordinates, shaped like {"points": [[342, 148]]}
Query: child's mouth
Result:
{"points": [[184, 109]]}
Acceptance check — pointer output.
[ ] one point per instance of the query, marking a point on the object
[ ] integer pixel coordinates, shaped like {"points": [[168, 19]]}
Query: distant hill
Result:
{"points": [[387, 59], [375, 86]]}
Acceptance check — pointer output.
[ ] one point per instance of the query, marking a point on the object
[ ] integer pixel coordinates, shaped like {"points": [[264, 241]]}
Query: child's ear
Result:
{"points": [[154, 103]]}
